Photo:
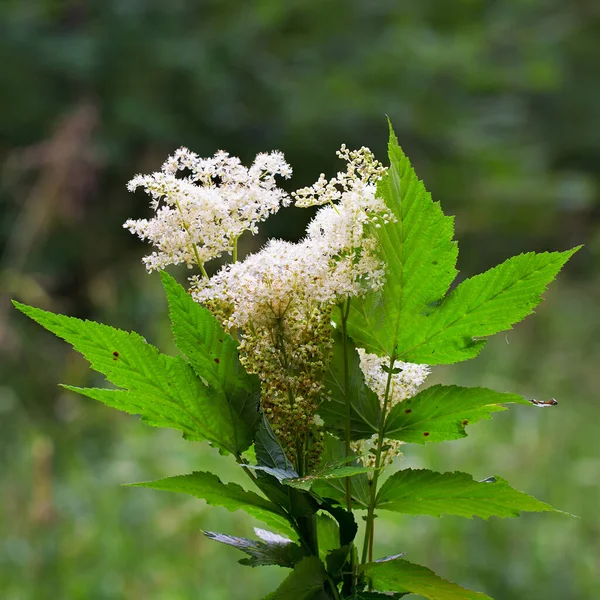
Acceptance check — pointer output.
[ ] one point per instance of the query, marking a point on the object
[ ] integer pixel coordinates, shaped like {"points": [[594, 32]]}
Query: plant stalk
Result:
{"points": [[367, 552]]}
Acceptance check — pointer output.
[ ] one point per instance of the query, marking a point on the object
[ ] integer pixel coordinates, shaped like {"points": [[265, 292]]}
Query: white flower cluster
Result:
{"points": [[362, 169], [405, 377], [202, 215], [336, 259]]}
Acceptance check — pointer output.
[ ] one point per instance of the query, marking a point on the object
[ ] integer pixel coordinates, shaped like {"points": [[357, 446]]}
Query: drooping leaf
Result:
{"points": [[306, 582], [163, 390], [402, 576], [212, 353], [420, 257], [441, 413], [231, 496], [424, 492], [336, 561], [270, 549], [365, 408]]}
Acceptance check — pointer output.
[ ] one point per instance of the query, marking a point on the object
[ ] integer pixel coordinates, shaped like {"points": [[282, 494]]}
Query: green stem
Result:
{"points": [[235, 250], [345, 310], [367, 552]]}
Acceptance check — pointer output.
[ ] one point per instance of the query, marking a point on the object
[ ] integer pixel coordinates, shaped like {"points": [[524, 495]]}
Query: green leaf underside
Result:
{"points": [[441, 413], [304, 583], [262, 553], [402, 576], [424, 492], [420, 257], [365, 413], [231, 496], [213, 354], [162, 389], [410, 318]]}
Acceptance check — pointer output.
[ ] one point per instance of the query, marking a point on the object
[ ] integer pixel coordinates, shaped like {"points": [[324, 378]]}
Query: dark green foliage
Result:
{"points": [[269, 550]]}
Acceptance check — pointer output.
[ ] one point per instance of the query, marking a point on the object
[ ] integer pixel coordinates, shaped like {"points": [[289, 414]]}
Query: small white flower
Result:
{"points": [[405, 377]]}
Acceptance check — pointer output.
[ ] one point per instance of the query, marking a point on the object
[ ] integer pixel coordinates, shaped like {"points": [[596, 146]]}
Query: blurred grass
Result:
{"points": [[71, 531]]}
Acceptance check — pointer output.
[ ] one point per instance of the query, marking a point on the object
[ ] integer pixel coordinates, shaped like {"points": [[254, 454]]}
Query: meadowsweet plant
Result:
{"points": [[306, 362]]}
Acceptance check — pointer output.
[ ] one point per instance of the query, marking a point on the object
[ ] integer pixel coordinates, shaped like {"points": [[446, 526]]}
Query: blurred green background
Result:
{"points": [[498, 105]]}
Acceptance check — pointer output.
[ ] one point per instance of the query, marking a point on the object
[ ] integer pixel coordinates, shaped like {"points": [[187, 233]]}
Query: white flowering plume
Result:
{"points": [[202, 215], [404, 381]]}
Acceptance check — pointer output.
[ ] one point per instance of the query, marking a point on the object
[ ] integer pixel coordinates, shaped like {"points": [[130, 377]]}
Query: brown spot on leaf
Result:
{"points": [[426, 433], [217, 360], [408, 411], [465, 422], [115, 355]]}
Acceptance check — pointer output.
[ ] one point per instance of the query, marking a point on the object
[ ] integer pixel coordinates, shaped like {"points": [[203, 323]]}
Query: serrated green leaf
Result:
{"points": [[231, 496], [365, 408], [420, 258], [213, 354], [411, 319], [271, 549], [402, 576], [163, 390], [305, 583], [442, 412], [424, 492], [479, 307]]}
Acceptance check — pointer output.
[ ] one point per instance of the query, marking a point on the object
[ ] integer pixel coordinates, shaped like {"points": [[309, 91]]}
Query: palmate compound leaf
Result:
{"points": [[231, 496], [441, 413], [410, 318], [163, 390], [213, 353], [399, 575], [424, 492], [306, 582], [270, 549]]}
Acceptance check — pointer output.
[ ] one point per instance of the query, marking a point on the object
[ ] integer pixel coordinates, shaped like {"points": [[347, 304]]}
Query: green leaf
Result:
{"points": [[328, 534], [479, 307], [441, 413], [305, 583], [306, 482], [374, 596], [231, 496], [411, 319], [420, 258], [271, 549], [365, 408], [424, 492], [334, 451], [162, 389], [213, 355], [402, 576]]}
